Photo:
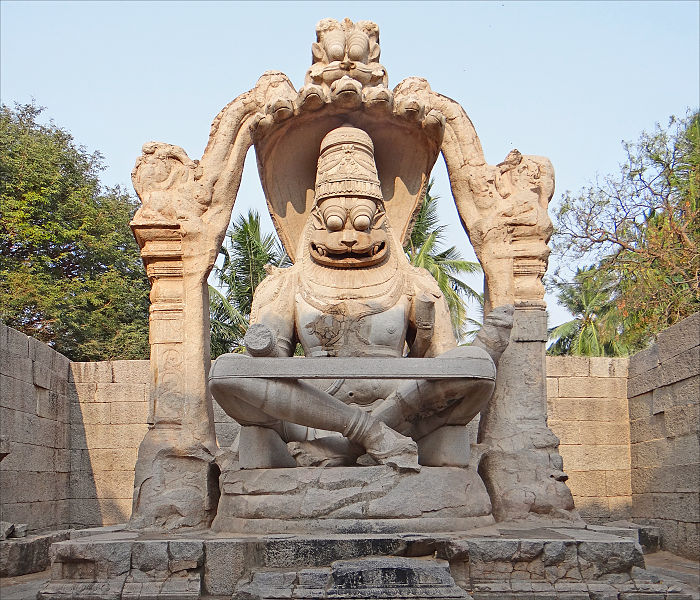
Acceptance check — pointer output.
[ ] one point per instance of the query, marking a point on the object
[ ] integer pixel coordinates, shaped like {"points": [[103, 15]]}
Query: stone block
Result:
{"points": [[568, 366], [568, 432], [120, 392], [620, 506], [592, 387], [29, 457], [648, 428], [91, 372], [131, 371], [680, 393], [589, 409], [40, 352], [609, 367], [596, 433], [654, 453], [689, 540], [225, 565], [552, 388], [13, 365], [107, 436], [92, 413], [61, 366], [644, 382], [664, 479], [644, 361], [13, 341], [17, 394], [46, 402], [685, 450], [112, 459], [61, 460], [85, 513], [128, 412], [678, 338], [672, 506], [29, 487], [151, 555], [682, 420], [586, 483], [618, 483], [79, 393], [639, 406], [682, 366], [601, 458], [29, 554]]}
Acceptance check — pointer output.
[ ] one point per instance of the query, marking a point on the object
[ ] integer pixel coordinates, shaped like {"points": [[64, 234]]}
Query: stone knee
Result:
{"points": [[237, 396]]}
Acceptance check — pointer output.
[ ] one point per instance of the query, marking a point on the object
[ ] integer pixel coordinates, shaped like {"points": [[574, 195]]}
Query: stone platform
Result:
{"points": [[378, 499], [507, 561]]}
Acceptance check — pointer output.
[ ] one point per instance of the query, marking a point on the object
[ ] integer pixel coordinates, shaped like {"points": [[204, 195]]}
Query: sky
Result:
{"points": [[567, 80]]}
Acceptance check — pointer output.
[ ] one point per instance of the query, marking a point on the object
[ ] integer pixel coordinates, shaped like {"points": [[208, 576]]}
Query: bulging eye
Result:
{"points": [[356, 52], [361, 222], [334, 222]]}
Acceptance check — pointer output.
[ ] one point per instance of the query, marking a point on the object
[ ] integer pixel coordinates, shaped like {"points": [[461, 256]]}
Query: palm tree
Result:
{"points": [[597, 326], [244, 259], [423, 250]]}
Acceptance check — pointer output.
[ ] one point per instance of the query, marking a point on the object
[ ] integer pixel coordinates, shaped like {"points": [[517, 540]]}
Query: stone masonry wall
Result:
{"points": [[664, 407], [109, 411], [587, 410], [34, 426]]}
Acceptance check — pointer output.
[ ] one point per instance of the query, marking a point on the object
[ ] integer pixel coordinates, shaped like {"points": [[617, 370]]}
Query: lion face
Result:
{"points": [[348, 233]]}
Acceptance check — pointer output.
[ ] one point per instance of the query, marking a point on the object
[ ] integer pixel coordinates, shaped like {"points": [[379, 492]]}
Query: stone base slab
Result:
{"points": [[376, 499], [507, 561], [30, 554]]}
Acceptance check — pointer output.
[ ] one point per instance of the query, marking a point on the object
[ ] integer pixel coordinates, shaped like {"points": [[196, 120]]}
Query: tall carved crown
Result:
{"points": [[346, 165]]}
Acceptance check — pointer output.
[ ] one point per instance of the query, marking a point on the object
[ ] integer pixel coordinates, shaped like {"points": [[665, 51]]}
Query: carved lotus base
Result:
{"points": [[351, 500]]}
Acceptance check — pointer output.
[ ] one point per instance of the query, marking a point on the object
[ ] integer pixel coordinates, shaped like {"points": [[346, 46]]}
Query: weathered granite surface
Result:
{"points": [[308, 500], [509, 560]]}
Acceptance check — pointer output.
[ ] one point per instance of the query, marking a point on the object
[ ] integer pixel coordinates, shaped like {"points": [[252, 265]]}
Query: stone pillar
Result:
{"points": [[521, 467], [176, 482]]}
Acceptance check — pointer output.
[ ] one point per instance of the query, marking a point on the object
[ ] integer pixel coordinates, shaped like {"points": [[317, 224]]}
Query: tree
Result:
{"points": [[642, 228], [423, 250], [245, 257], [70, 269], [595, 328]]}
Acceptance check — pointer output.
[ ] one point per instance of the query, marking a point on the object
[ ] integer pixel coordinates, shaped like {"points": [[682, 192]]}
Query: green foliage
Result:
{"points": [[594, 329], [642, 229], [423, 250], [70, 270], [245, 253]]}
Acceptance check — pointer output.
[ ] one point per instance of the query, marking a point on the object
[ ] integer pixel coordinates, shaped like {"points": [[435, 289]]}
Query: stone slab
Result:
{"points": [[30, 554], [356, 368]]}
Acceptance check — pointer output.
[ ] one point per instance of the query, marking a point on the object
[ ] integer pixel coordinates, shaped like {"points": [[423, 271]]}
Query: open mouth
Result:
{"points": [[324, 255]]}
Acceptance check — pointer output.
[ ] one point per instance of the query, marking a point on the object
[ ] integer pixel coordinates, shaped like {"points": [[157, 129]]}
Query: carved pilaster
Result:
{"points": [[174, 480]]}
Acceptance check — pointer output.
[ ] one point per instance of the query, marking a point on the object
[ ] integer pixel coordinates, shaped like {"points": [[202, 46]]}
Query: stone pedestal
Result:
{"points": [[507, 561], [309, 500]]}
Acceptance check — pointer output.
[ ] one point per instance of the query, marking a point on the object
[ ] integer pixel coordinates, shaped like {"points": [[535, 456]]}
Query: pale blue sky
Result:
{"points": [[566, 80]]}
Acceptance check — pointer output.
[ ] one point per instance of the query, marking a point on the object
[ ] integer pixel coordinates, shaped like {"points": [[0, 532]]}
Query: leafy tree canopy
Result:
{"points": [[641, 228], [70, 270]]}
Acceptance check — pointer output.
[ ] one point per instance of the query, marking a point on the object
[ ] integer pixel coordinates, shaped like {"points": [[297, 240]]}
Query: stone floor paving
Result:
{"points": [[662, 564]]}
